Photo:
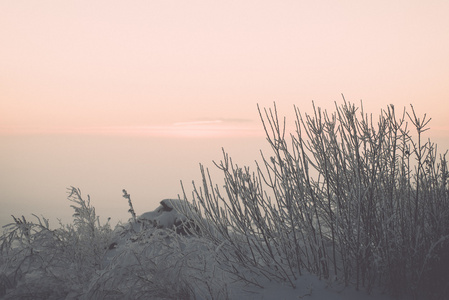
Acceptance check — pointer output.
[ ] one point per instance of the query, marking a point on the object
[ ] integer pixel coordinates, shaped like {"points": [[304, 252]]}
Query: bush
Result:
{"points": [[87, 260], [160, 264], [37, 262], [344, 197]]}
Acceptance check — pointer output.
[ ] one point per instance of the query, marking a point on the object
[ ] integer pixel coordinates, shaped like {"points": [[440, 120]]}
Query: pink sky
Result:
{"points": [[95, 66]]}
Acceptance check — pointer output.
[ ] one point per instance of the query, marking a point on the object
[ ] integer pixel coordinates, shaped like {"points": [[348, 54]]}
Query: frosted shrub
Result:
{"points": [[344, 197], [88, 260], [37, 262], [161, 264]]}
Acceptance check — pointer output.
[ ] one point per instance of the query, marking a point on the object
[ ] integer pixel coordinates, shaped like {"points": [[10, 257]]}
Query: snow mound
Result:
{"points": [[159, 257], [171, 214]]}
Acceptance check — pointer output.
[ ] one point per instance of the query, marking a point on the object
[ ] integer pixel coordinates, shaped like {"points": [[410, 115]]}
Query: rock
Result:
{"points": [[171, 214]]}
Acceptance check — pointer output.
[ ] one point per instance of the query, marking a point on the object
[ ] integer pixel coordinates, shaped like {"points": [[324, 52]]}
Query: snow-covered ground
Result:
{"points": [[151, 236], [153, 256], [309, 287]]}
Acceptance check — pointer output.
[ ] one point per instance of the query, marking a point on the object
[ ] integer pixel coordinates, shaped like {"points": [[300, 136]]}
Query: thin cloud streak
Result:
{"points": [[197, 123], [204, 129], [206, 121]]}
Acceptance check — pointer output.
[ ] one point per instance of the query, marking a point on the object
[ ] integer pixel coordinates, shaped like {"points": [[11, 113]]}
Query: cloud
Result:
{"points": [[204, 127], [207, 121], [237, 120], [197, 123]]}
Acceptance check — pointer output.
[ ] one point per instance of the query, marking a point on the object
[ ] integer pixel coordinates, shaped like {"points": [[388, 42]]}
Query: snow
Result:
{"points": [[165, 216], [152, 233], [149, 258], [309, 287]]}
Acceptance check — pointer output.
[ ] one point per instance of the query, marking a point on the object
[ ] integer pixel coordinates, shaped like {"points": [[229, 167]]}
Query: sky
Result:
{"points": [[111, 78]]}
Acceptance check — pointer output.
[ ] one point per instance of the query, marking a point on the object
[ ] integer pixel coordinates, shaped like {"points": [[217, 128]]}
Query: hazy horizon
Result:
{"points": [[37, 169]]}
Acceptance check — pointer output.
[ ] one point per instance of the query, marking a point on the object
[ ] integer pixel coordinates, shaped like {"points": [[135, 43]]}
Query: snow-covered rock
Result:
{"points": [[171, 214]]}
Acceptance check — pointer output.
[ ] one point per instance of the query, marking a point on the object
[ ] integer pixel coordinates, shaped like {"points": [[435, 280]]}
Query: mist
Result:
{"points": [[38, 169]]}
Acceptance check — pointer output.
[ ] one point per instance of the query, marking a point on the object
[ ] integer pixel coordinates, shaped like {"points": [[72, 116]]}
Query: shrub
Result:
{"points": [[344, 196], [160, 264], [88, 260], [37, 262]]}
